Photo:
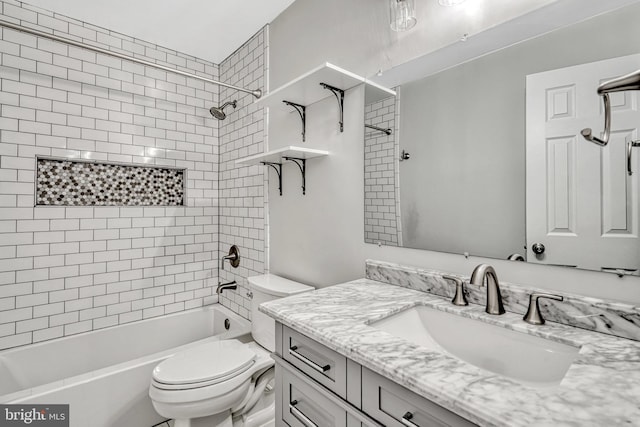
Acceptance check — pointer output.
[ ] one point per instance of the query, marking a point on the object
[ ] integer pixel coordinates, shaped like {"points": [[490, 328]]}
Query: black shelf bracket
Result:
{"points": [[302, 165], [278, 168], [302, 111], [339, 94]]}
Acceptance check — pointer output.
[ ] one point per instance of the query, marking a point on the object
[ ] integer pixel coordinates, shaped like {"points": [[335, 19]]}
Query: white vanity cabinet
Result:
{"points": [[316, 386]]}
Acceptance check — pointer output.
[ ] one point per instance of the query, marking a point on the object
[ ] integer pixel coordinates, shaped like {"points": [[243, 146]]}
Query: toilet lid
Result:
{"points": [[204, 363]]}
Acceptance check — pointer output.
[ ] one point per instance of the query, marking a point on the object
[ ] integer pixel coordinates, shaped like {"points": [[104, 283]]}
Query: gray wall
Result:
{"points": [[466, 127], [355, 34], [318, 238]]}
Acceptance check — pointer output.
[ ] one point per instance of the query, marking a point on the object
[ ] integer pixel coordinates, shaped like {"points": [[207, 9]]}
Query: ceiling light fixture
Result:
{"points": [[402, 14], [450, 2]]}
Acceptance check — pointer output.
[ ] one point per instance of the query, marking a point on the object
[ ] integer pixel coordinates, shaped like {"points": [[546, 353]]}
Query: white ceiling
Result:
{"points": [[207, 29]]}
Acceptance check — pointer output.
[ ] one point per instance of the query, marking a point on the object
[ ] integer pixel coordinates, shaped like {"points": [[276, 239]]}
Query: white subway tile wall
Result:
{"points": [[66, 270], [242, 188], [381, 174]]}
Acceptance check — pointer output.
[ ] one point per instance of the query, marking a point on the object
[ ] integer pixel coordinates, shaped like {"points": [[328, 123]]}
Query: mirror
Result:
{"points": [[486, 157]]}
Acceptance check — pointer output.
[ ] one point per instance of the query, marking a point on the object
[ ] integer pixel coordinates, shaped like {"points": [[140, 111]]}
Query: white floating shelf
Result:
{"points": [[275, 159], [276, 156], [374, 92], [306, 90]]}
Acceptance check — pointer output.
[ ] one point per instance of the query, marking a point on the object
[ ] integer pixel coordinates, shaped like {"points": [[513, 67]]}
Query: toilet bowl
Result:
{"points": [[227, 381]]}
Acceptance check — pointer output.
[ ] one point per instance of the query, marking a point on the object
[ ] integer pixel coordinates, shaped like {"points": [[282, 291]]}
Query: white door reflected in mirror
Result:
{"points": [[581, 202]]}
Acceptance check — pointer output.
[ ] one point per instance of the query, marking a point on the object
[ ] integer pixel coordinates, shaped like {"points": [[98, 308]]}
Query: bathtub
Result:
{"points": [[104, 375]]}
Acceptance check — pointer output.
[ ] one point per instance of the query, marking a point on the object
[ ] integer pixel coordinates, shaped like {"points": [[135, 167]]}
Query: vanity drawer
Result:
{"points": [[304, 406], [393, 405], [317, 361]]}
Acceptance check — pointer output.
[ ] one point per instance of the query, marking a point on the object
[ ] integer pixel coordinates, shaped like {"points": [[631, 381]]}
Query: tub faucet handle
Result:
{"points": [[233, 257], [533, 315], [459, 298]]}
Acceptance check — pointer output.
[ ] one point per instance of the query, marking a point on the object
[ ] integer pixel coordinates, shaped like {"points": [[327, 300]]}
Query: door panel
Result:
{"points": [[581, 202]]}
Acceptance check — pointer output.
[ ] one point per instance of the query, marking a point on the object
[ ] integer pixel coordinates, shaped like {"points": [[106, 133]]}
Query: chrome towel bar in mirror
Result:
{"points": [[629, 81]]}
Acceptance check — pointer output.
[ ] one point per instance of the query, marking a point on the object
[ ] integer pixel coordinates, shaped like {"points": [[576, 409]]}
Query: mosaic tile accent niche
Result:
{"points": [[83, 183]]}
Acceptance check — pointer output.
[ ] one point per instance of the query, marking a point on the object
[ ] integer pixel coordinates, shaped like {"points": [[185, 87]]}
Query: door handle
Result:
{"points": [[406, 420], [538, 248], [619, 271], [630, 145], [300, 416], [307, 361]]}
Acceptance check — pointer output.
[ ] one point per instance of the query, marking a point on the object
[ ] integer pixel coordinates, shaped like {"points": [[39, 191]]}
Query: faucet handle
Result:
{"points": [[233, 257], [459, 298], [533, 315]]}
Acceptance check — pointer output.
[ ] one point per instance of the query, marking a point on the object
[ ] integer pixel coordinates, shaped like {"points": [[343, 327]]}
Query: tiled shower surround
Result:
{"points": [[66, 270], [381, 174], [243, 188]]}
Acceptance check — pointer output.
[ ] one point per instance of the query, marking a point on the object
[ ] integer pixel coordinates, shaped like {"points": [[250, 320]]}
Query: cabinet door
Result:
{"points": [[303, 406], [394, 405], [324, 365]]}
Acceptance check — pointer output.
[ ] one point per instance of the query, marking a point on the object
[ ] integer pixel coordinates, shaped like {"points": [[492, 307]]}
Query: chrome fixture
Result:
{"points": [[218, 112], [387, 130], [620, 272], [627, 82], [406, 420], [538, 248], [494, 299], [301, 417], [402, 14], [233, 257], [533, 313], [450, 2], [293, 351], [404, 155], [515, 257], [229, 285], [459, 298], [255, 92], [630, 145]]}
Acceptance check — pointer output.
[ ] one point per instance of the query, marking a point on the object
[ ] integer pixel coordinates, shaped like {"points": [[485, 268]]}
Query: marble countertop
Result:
{"points": [[601, 388]]}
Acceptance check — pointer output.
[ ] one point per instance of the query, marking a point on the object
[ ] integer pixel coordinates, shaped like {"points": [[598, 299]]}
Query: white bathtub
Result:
{"points": [[104, 375]]}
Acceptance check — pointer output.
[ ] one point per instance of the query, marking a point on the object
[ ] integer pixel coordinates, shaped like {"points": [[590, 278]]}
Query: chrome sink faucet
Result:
{"points": [[494, 299]]}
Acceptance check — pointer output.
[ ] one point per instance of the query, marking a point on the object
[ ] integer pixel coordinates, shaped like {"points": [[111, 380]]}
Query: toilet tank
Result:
{"points": [[265, 288]]}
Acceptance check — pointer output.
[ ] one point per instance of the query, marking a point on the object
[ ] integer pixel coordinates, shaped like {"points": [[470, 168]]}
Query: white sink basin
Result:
{"points": [[525, 358]]}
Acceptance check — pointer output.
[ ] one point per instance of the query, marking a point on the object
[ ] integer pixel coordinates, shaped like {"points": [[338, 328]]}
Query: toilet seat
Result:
{"points": [[220, 384], [208, 364]]}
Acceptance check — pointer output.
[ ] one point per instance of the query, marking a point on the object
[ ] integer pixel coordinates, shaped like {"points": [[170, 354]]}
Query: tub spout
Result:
{"points": [[222, 286]]}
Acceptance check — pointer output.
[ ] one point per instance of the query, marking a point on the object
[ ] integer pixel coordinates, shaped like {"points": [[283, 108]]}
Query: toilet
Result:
{"points": [[225, 383]]}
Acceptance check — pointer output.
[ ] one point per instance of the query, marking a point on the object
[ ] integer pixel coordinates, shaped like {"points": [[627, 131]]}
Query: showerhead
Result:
{"points": [[218, 112]]}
